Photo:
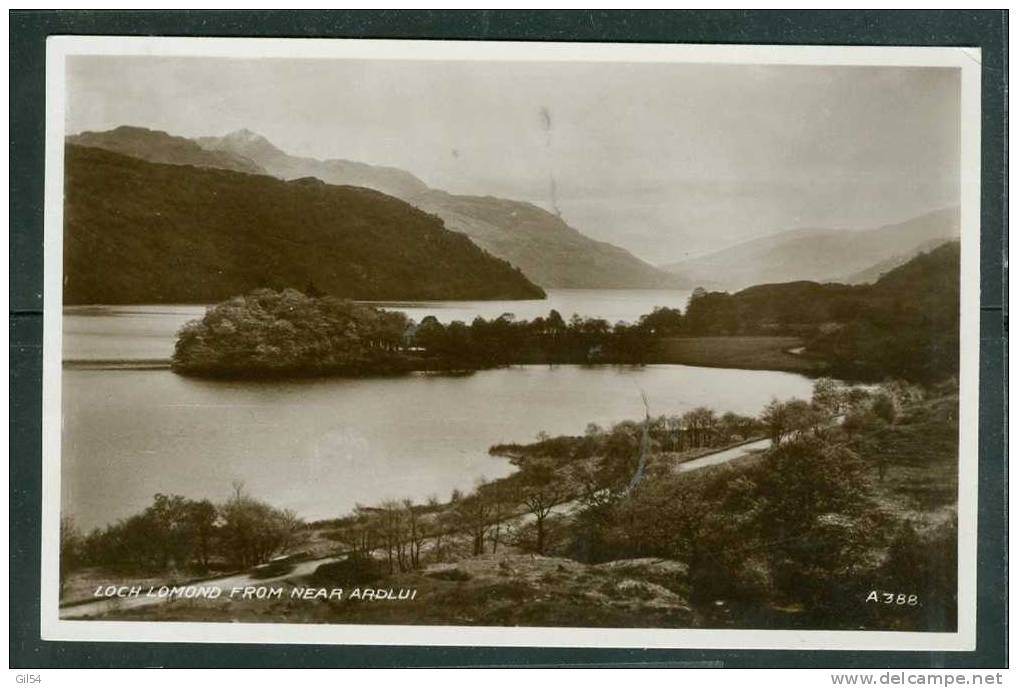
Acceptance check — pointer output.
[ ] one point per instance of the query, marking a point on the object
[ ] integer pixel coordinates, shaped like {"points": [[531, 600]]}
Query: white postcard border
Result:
{"points": [[965, 59]]}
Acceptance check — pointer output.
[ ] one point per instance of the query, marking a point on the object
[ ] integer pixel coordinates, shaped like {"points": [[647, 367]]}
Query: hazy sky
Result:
{"points": [[667, 160]]}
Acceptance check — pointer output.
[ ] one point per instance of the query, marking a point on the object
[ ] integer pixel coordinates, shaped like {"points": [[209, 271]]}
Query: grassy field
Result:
{"points": [[751, 353]]}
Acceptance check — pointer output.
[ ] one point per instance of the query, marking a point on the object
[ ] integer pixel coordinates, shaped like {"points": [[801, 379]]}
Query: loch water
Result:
{"points": [[322, 446]]}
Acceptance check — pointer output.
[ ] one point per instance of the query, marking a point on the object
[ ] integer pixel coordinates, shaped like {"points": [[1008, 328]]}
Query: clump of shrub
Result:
{"points": [[924, 562], [449, 574], [355, 569]]}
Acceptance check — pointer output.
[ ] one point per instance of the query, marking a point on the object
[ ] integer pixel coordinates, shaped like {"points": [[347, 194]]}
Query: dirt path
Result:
{"points": [[225, 586], [723, 456], [713, 459]]}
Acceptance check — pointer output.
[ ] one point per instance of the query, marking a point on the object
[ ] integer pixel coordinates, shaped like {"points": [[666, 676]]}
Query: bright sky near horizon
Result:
{"points": [[666, 160]]}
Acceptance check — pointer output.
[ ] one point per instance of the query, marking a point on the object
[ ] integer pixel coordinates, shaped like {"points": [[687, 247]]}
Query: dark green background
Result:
{"points": [[28, 31]]}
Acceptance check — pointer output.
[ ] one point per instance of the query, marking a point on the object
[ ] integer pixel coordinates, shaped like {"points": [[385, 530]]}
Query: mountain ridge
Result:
{"points": [[541, 244], [158, 146], [143, 232], [820, 255], [248, 144]]}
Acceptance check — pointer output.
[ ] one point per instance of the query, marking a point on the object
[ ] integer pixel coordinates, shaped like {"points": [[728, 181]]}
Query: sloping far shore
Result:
{"points": [[140, 232]]}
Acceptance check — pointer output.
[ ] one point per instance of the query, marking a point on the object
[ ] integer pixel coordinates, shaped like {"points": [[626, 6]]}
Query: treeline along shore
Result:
{"points": [[904, 325], [851, 495]]}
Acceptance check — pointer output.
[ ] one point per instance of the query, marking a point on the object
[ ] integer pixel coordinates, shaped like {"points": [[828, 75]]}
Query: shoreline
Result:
{"points": [[117, 364], [391, 303], [744, 352], [764, 352]]}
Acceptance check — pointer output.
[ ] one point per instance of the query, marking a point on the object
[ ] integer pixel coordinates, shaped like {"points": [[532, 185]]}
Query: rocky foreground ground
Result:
{"points": [[494, 589]]}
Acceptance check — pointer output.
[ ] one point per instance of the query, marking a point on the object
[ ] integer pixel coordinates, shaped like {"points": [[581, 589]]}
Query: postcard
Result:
{"points": [[511, 344]]}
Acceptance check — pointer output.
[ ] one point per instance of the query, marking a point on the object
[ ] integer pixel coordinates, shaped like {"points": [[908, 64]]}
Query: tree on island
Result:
{"points": [[268, 332]]}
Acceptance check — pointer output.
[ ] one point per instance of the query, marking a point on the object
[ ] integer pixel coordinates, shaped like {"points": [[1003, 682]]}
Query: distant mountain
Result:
{"points": [[541, 244], [140, 232], [546, 249], [878, 270], [247, 144], [820, 255], [158, 146]]}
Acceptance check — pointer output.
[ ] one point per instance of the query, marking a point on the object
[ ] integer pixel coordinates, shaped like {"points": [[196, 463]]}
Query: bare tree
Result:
{"points": [[541, 489], [393, 535], [473, 514], [416, 532], [700, 424], [500, 504]]}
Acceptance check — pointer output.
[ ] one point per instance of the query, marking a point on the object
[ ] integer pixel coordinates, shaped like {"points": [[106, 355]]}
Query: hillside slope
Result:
{"points": [[821, 255], [138, 232], [542, 245], [903, 325]]}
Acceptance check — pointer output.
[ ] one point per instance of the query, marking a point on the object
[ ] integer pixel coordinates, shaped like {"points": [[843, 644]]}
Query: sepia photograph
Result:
{"points": [[435, 342]]}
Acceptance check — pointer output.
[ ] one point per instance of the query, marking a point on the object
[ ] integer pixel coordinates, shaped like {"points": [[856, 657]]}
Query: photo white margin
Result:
{"points": [[966, 59]]}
